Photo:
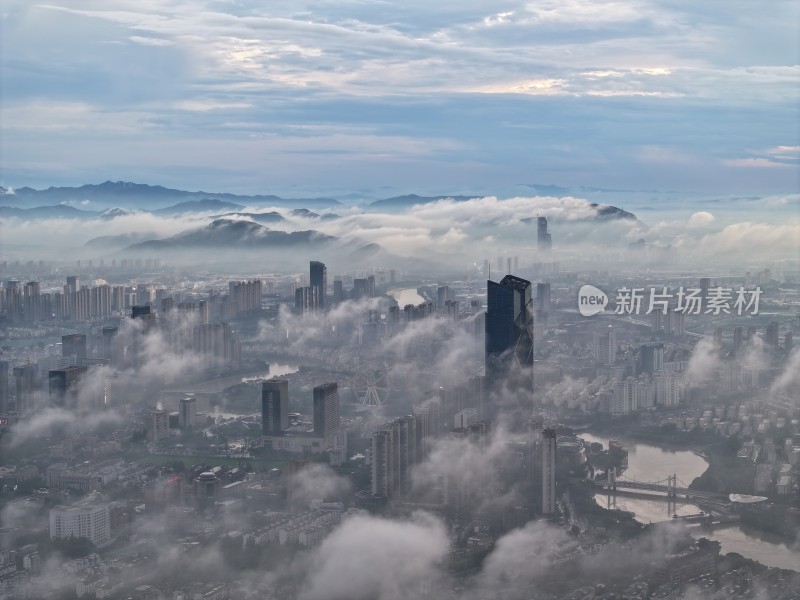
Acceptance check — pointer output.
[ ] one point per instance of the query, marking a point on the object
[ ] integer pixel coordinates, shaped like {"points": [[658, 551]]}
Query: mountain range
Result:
{"points": [[125, 198], [142, 196], [235, 240]]}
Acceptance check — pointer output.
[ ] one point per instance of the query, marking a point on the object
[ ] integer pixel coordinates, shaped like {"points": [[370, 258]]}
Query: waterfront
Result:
{"points": [[406, 296], [647, 462]]}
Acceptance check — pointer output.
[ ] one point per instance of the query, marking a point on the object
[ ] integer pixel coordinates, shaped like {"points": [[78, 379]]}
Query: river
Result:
{"points": [[406, 296], [203, 390], [648, 463]]}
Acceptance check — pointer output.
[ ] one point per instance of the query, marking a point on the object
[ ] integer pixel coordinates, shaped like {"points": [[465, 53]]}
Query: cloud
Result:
{"points": [[206, 76], [358, 561], [748, 240], [149, 41], [701, 219], [788, 381], [318, 481]]}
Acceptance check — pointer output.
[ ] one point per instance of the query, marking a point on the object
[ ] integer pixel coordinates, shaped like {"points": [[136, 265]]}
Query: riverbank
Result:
{"points": [[725, 473], [710, 467]]}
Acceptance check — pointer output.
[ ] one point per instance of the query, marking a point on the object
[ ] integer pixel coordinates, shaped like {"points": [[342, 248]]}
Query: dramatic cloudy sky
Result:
{"points": [[432, 96]]}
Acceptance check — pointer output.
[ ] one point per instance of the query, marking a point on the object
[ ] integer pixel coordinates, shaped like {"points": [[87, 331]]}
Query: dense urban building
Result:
{"points": [[89, 518]]}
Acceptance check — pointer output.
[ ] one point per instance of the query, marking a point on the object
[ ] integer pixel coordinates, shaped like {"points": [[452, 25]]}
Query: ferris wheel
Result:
{"points": [[370, 385]]}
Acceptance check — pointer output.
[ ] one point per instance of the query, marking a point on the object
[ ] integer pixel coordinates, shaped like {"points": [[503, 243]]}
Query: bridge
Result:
{"points": [[670, 485]]}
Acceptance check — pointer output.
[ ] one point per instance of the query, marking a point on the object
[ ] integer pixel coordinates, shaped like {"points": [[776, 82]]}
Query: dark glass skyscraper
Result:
{"points": [[544, 239], [509, 332], [318, 278], [274, 406]]}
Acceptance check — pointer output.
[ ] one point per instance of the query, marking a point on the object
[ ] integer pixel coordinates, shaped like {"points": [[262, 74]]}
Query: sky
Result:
{"points": [[377, 98]]}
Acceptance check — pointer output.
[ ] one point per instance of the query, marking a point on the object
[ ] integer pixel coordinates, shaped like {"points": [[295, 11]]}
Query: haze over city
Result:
{"points": [[387, 301]]}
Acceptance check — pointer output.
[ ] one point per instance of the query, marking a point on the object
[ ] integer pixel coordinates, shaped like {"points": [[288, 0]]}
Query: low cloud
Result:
{"points": [[701, 219], [370, 557]]}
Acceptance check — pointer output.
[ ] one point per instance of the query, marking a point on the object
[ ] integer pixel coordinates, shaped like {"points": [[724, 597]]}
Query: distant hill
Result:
{"points": [[116, 242], [204, 205], [236, 241], [606, 212], [142, 196], [232, 234], [304, 212], [58, 211], [113, 213]]}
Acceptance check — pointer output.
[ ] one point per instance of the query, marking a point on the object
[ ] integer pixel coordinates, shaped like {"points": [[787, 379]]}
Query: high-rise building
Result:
{"points": [[394, 452], [74, 345], [73, 283], [509, 332], [25, 386], [656, 321], [605, 347], [667, 389], [109, 345], [338, 291], [543, 238], [534, 448], [382, 480], [359, 289], [318, 279], [32, 302], [442, 296], [146, 320], [326, 411], [217, 344], [464, 418], [306, 299], [157, 425], [705, 284], [428, 425], [338, 454], [651, 359], [64, 384], [771, 336], [407, 427], [738, 335], [13, 300], [245, 297], [89, 519], [543, 298], [548, 471], [274, 406], [187, 414], [141, 312], [5, 397], [623, 400]]}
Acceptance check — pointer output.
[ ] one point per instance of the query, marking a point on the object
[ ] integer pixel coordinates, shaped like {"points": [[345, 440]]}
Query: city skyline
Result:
{"points": [[366, 300]]}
